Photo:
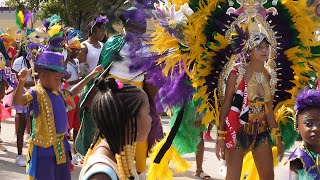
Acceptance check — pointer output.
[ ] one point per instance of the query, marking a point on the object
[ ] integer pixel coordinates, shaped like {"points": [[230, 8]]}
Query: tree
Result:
{"points": [[75, 13]]}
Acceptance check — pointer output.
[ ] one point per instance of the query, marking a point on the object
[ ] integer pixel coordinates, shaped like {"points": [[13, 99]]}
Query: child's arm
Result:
{"points": [[79, 86], [75, 81], [295, 165], [18, 97]]}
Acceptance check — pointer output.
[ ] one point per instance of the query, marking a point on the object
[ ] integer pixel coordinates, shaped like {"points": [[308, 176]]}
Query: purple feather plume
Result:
{"points": [[145, 4], [27, 17], [45, 23], [101, 19], [134, 15]]}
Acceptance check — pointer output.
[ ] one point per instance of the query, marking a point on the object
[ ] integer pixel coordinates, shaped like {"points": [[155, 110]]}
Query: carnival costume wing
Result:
{"points": [[195, 44]]}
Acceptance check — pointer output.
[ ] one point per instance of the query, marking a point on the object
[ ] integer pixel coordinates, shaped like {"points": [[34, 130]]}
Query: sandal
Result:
{"points": [[203, 175]]}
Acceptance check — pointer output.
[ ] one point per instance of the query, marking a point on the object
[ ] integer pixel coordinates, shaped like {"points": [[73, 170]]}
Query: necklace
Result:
{"points": [[259, 77], [311, 153]]}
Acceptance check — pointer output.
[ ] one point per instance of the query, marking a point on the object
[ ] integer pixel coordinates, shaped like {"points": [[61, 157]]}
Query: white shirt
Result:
{"points": [[93, 55], [74, 70], [19, 64]]}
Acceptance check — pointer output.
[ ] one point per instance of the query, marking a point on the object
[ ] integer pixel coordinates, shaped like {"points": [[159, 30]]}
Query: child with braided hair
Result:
{"points": [[121, 114], [304, 161]]}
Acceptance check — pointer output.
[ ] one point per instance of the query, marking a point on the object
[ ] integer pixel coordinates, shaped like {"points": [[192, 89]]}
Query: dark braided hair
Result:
{"points": [[115, 112]]}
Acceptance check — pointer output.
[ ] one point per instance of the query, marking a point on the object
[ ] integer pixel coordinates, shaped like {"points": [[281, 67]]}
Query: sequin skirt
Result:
{"points": [[253, 133]]}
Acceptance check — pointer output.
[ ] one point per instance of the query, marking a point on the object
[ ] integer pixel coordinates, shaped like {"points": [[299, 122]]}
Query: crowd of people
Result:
{"points": [[107, 98]]}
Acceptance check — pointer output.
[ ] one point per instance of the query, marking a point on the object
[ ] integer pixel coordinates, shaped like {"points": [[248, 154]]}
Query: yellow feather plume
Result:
{"points": [[249, 168], [54, 30], [162, 170], [179, 2], [21, 17]]}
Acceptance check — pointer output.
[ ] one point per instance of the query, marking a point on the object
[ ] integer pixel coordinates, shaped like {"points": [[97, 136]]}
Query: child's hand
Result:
{"points": [[98, 70], [24, 74]]}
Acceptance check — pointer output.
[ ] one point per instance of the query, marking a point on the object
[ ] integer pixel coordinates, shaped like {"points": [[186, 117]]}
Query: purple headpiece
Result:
{"points": [[100, 20], [307, 99], [51, 60]]}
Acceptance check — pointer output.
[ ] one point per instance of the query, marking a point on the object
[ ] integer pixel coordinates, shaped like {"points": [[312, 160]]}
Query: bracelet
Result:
{"points": [[222, 132], [221, 138], [275, 131]]}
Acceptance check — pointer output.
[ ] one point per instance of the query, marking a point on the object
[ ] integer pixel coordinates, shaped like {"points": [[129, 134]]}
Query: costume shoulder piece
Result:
{"points": [[233, 64], [309, 163], [110, 49]]}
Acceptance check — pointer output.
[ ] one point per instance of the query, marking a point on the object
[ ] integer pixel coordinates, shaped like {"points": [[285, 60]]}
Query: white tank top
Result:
{"points": [[93, 55]]}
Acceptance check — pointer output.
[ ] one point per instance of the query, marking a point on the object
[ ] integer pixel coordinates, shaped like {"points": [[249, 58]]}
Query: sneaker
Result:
{"points": [[223, 169], [2, 148], [77, 159], [27, 138], [207, 136], [1, 140], [21, 161]]}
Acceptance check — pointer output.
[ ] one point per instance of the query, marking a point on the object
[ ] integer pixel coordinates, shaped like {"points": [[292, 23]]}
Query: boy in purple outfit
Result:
{"points": [[49, 150]]}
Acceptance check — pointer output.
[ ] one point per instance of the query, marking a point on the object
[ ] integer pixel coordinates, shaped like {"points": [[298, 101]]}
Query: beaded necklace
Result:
{"points": [[314, 156]]}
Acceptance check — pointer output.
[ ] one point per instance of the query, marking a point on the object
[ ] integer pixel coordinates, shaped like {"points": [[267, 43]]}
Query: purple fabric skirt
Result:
{"points": [[47, 169]]}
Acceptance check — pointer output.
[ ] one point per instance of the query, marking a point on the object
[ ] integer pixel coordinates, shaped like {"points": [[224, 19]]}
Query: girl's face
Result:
{"points": [[261, 52], [309, 126], [99, 33], [144, 121]]}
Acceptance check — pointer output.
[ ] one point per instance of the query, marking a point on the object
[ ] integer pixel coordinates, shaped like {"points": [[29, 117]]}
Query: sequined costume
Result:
{"points": [[310, 161], [48, 139], [256, 130]]}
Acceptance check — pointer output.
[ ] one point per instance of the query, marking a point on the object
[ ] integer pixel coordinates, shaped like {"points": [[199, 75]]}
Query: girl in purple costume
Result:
{"points": [[304, 161]]}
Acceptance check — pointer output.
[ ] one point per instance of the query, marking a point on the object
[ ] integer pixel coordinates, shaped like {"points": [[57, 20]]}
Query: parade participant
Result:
{"points": [[49, 150], [8, 78], [305, 160], [253, 95], [121, 113], [22, 119], [89, 56], [117, 51], [73, 47]]}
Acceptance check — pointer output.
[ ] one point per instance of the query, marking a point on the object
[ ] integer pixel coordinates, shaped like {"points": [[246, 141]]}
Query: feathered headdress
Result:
{"points": [[53, 28], [23, 18], [101, 20], [72, 39], [247, 32], [205, 50]]}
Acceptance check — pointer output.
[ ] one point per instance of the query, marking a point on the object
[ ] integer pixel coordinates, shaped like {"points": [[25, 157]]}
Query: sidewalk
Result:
{"points": [[9, 170]]}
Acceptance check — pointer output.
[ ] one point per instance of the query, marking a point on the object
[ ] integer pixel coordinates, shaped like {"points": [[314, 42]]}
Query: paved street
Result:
{"points": [[9, 170]]}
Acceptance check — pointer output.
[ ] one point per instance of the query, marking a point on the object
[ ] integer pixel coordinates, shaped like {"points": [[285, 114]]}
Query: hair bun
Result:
{"points": [[112, 84], [101, 84], [104, 84]]}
